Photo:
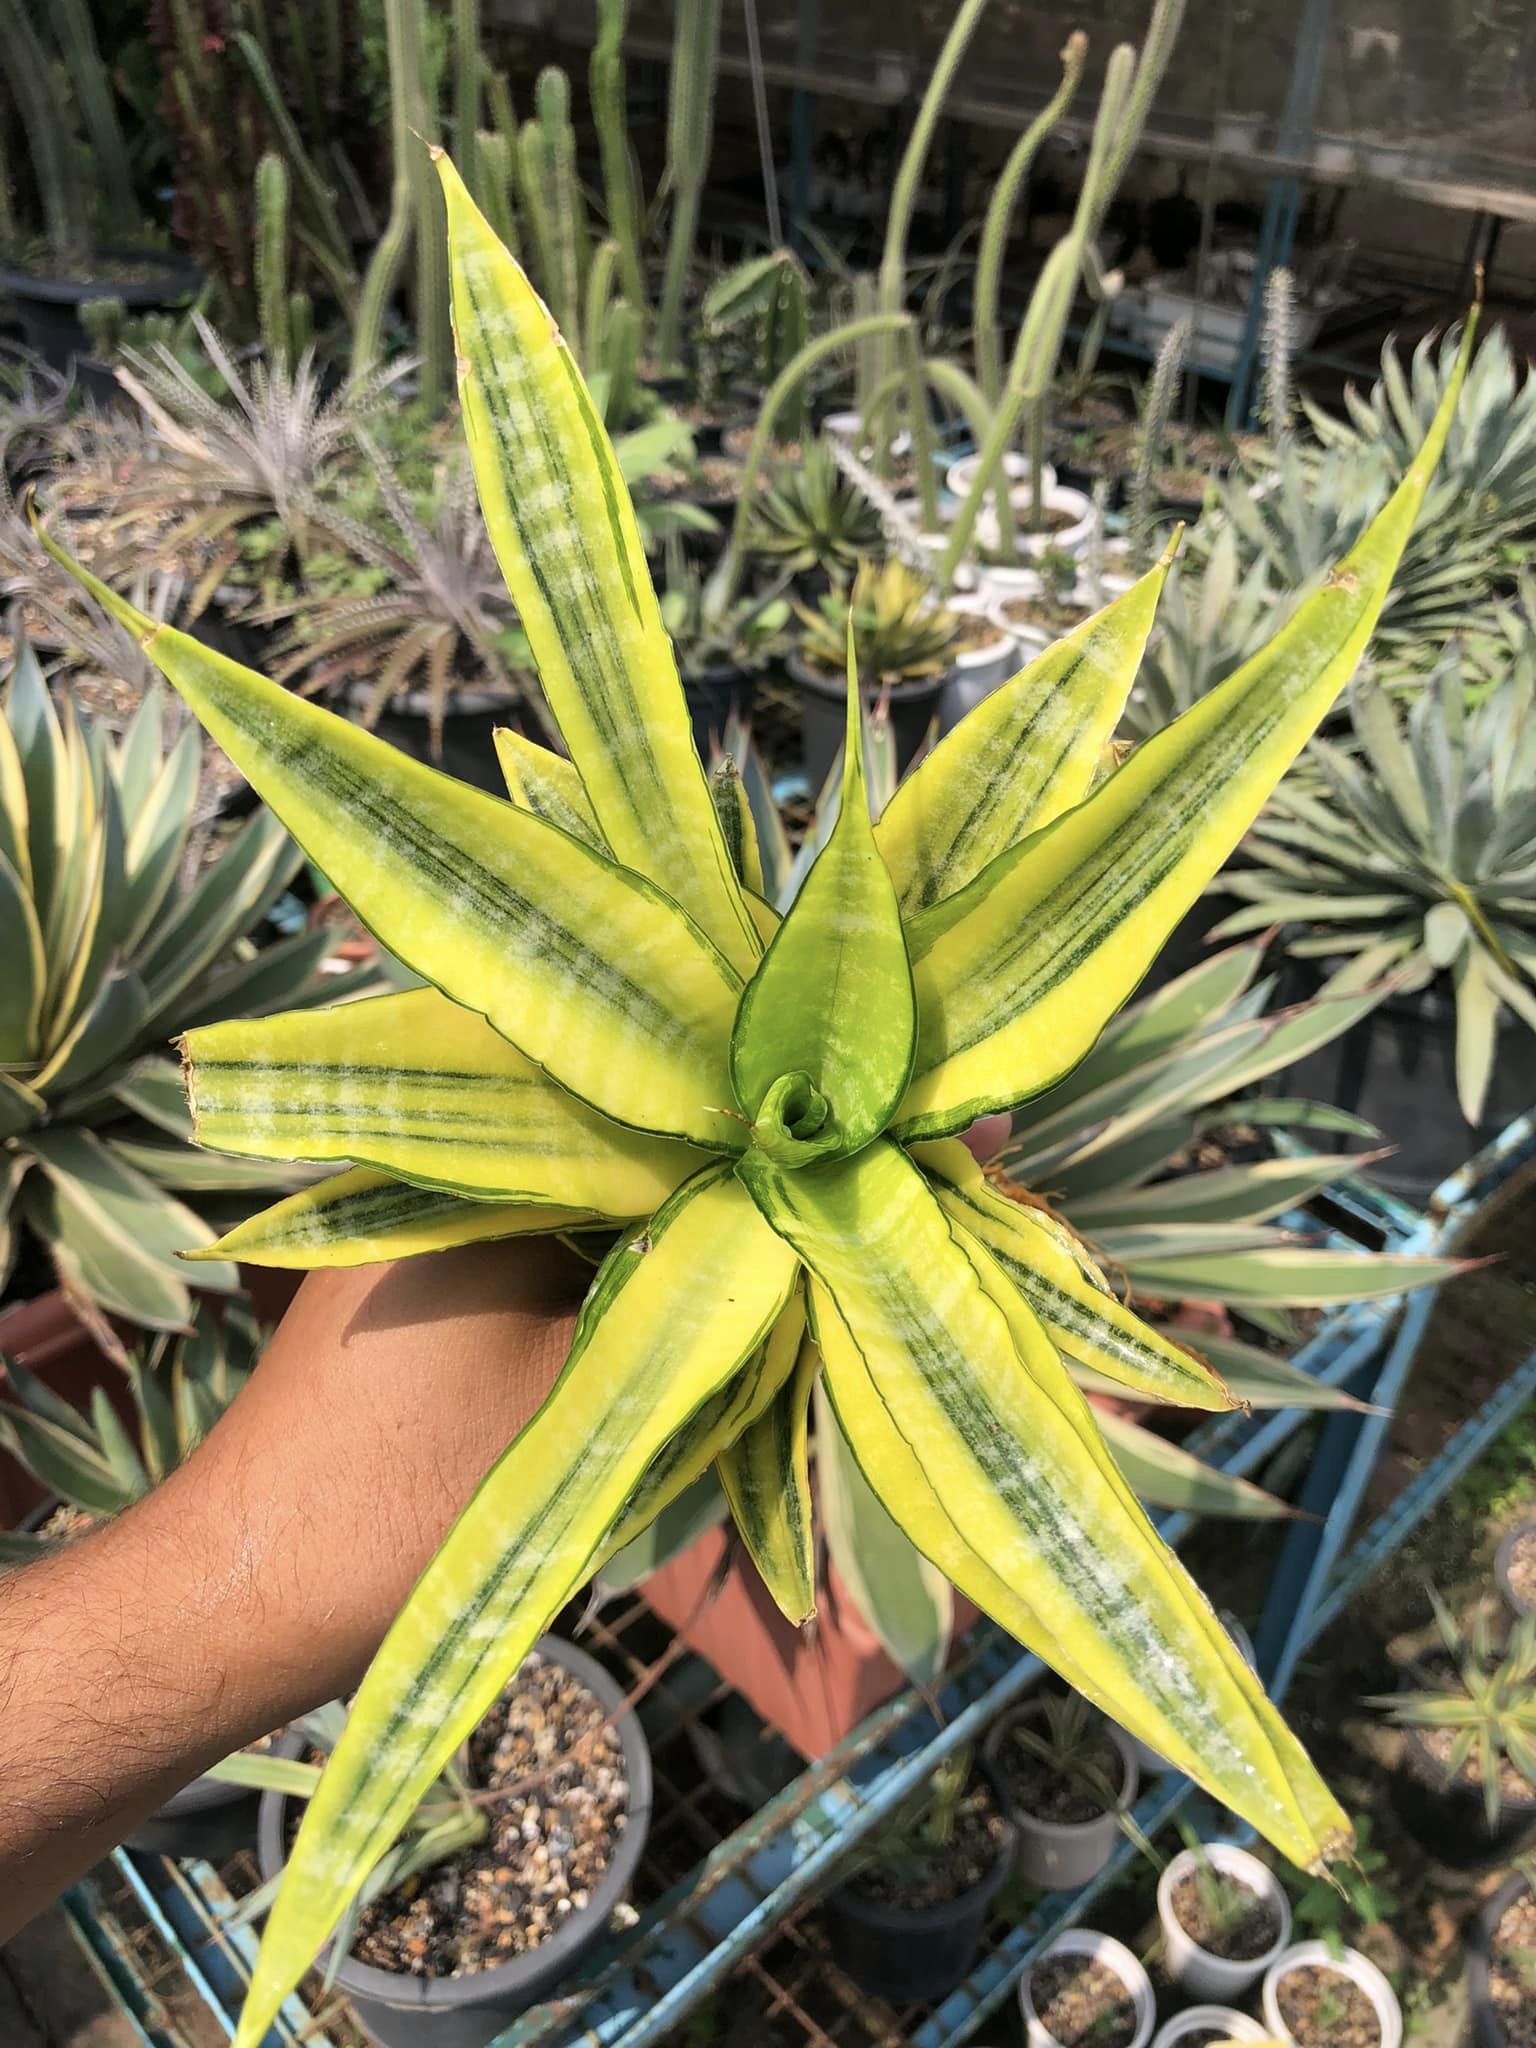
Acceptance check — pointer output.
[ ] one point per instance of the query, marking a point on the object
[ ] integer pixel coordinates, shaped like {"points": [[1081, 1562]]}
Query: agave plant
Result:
{"points": [[1418, 856], [1208, 624], [104, 956], [899, 633], [811, 517], [1486, 1702], [765, 1108], [90, 1459]]}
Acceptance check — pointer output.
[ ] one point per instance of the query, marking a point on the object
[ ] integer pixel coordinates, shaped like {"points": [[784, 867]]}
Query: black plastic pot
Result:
{"points": [[1487, 2030], [466, 2012], [824, 717], [469, 725], [1501, 1565], [1396, 1067], [48, 308], [208, 1818], [1448, 1819], [913, 1957], [712, 694]]}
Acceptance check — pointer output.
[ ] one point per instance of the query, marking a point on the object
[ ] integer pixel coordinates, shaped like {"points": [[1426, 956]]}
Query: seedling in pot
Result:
{"points": [[1479, 1720], [1219, 1912], [947, 1836], [1322, 2008], [1071, 1772]]}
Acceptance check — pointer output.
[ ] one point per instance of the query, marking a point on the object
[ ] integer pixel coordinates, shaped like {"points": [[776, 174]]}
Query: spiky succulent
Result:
{"points": [[619, 1034], [1485, 1701], [91, 1459], [812, 517], [900, 633], [105, 954], [1417, 855]]}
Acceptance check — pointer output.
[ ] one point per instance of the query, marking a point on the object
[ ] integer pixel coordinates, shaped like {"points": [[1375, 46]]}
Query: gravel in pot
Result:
{"points": [[1087, 1991], [1243, 1927], [1501, 1969], [1322, 2008]]}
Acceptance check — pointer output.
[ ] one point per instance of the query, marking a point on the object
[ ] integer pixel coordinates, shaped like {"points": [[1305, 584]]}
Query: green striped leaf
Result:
{"points": [[544, 782], [823, 1039], [1166, 1476], [732, 807], [563, 527], [1068, 1295], [1265, 1379], [57, 1458], [710, 1431], [961, 1366], [1020, 971], [361, 1217], [45, 772], [1286, 1276], [499, 910], [26, 970], [766, 1474], [1225, 1194], [672, 1315], [13, 807], [418, 1087], [1024, 755]]}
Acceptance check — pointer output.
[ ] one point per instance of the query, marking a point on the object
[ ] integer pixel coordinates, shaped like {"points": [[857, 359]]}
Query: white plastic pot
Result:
{"points": [[1349, 1963], [1114, 1955], [976, 671], [1071, 537], [1199, 2019], [843, 426], [1194, 1969], [960, 475]]}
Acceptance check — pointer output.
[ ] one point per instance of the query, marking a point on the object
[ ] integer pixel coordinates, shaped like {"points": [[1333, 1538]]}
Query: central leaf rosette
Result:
{"points": [[826, 1031], [750, 1121]]}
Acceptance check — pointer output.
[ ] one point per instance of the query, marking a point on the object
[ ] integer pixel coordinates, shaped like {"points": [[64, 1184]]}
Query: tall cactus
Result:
{"points": [[414, 122], [567, 215], [92, 87], [690, 132], [27, 75], [272, 260], [605, 83], [467, 67], [1157, 405], [499, 179]]}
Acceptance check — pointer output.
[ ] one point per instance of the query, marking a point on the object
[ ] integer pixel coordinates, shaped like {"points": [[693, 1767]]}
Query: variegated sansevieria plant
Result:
{"points": [[621, 1033]]}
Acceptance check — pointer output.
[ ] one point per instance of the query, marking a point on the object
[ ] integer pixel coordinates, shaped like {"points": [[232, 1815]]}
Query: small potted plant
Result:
{"points": [[1087, 1991], [986, 654], [812, 523], [506, 1873], [905, 645], [1501, 1967], [1515, 1568], [1069, 1778], [908, 1923], [1466, 1785], [1048, 606], [1322, 1996], [1224, 1918], [1202, 2026]]}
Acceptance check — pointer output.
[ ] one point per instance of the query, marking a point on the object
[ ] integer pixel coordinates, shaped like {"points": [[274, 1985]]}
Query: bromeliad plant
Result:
{"points": [[619, 1031]]}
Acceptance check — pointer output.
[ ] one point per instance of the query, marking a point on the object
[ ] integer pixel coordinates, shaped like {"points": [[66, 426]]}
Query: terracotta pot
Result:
{"points": [[815, 1686]]}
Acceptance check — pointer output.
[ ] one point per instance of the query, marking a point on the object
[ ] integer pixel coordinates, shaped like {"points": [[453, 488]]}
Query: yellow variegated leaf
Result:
{"points": [[823, 1040], [767, 1479], [712, 1429], [729, 795], [1023, 756], [1019, 972], [962, 1368], [427, 1091], [672, 1316], [563, 526], [361, 1217], [23, 979], [584, 966], [1083, 1320], [544, 782]]}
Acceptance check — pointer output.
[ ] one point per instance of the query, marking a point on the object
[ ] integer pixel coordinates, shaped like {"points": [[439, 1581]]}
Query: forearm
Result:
{"points": [[259, 1578]]}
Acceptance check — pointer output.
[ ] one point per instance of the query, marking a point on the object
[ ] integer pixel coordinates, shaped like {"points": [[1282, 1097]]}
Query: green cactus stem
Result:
{"points": [[467, 67], [497, 174], [690, 132], [606, 84], [92, 87], [272, 260]]}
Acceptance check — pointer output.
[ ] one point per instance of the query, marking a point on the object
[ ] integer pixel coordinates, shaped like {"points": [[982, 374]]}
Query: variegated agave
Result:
{"points": [[620, 1028]]}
